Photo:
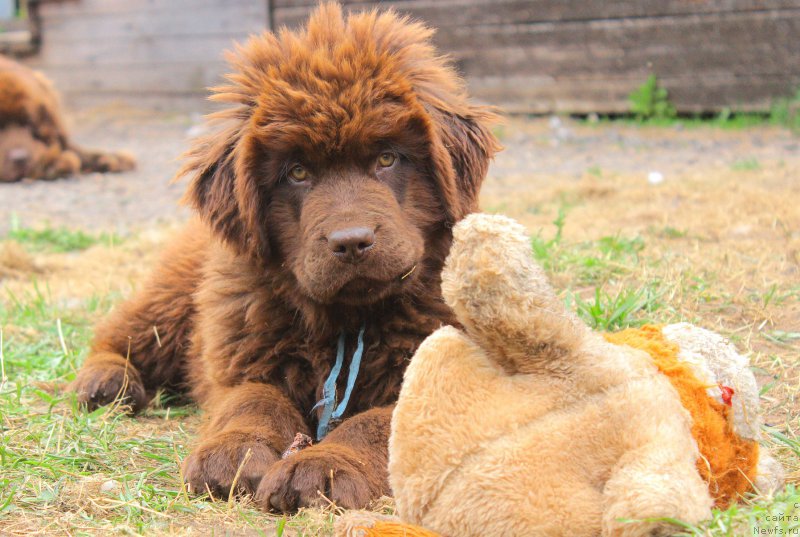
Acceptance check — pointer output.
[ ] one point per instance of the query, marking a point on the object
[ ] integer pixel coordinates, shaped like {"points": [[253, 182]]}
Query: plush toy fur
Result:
{"points": [[525, 422]]}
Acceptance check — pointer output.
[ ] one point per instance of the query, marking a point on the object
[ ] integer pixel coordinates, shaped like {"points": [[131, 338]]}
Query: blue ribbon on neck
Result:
{"points": [[328, 402]]}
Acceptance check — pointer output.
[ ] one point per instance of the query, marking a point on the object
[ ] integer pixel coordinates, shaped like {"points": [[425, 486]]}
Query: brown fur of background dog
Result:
{"points": [[351, 125], [33, 141]]}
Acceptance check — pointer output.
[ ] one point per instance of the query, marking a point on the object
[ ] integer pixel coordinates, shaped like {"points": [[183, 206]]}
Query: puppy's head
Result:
{"points": [[346, 153], [24, 156], [20, 153]]}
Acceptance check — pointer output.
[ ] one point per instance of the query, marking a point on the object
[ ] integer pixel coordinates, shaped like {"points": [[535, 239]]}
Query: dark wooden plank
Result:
{"points": [[758, 44], [513, 95], [529, 56], [532, 94], [763, 59], [736, 43], [447, 13], [13, 25], [695, 30], [742, 43], [738, 92], [170, 102]]}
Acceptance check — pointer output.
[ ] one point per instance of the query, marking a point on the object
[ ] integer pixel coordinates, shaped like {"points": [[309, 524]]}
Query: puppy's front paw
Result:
{"points": [[319, 474], [113, 162], [213, 465], [103, 381]]}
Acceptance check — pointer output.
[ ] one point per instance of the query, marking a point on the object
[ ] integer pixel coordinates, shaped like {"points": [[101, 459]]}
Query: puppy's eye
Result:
{"points": [[386, 159], [298, 174]]}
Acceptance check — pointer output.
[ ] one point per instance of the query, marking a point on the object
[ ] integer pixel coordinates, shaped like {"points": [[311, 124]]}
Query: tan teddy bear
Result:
{"points": [[525, 422]]}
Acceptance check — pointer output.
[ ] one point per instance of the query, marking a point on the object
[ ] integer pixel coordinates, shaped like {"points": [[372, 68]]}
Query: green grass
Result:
{"points": [[591, 262], [597, 264], [723, 120], [615, 311], [595, 171], [670, 232], [53, 240], [651, 101], [650, 106], [784, 112], [780, 515], [56, 240], [774, 295], [746, 164]]}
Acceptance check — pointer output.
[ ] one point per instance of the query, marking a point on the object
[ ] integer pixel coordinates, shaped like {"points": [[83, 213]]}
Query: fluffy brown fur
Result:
{"points": [[250, 301], [33, 141]]}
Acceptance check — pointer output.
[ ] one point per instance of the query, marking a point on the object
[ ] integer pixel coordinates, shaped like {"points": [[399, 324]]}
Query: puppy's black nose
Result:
{"points": [[352, 243], [19, 156]]}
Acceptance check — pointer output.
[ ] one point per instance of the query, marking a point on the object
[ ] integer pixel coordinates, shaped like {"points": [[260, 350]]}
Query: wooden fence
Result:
{"points": [[150, 53], [525, 55]]}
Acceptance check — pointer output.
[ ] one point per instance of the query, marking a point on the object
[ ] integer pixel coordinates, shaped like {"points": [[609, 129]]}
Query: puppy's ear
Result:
{"points": [[221, 192], [461, 142], [462, 146]]}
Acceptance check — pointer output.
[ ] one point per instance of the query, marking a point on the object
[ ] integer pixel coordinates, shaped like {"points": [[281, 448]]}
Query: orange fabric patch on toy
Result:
{"points": [[394, 529], [727, 462]]}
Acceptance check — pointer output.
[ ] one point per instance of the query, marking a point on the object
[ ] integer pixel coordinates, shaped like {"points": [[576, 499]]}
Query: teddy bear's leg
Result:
{"points": [[503, 298], [655, 481], [657, 476]]}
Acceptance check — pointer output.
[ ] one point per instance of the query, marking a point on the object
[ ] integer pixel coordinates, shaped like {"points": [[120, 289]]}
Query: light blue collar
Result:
{"points": [[328, 402]]}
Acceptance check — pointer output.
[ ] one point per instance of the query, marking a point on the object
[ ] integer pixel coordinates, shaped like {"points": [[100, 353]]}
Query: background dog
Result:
{"points": [[33, 140]]}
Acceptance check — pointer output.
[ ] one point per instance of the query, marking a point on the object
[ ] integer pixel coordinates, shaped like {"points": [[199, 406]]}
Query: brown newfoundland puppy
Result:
{"points": [[33, 141], [326, 200]]}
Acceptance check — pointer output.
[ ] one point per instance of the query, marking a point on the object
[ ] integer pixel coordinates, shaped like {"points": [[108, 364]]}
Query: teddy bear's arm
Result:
{"points": [[503, 300]]}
